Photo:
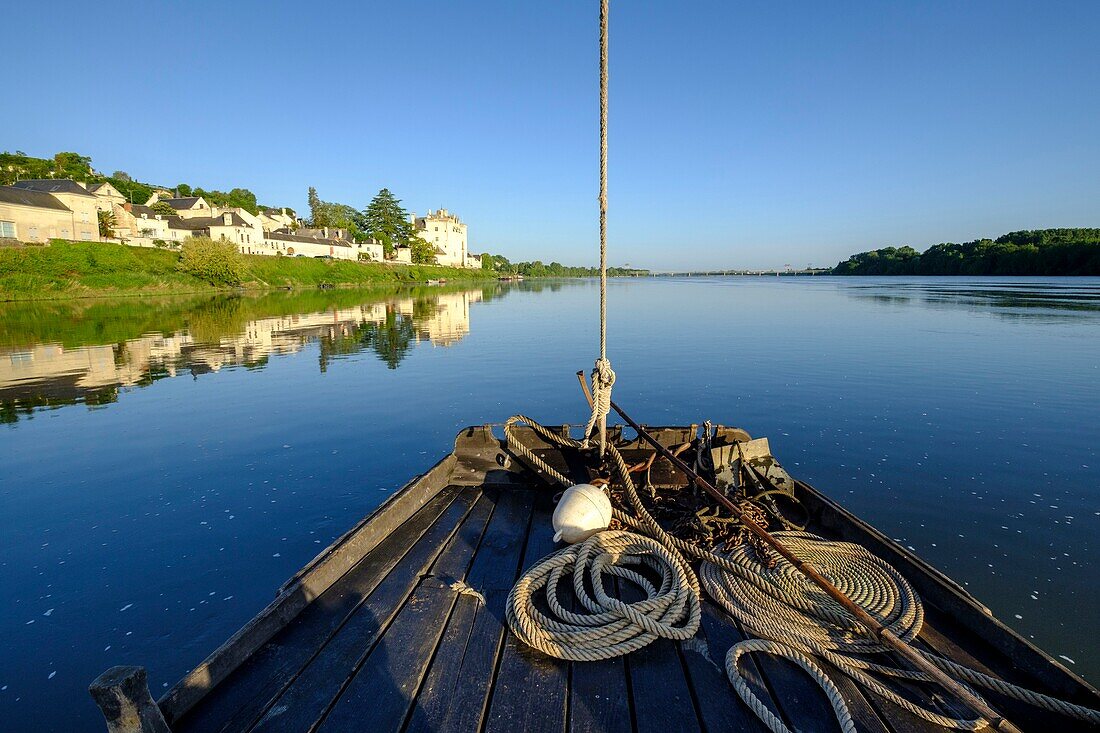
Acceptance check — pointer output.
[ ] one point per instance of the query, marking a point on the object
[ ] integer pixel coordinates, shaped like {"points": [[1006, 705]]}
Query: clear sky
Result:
{"points": [[742, 135]]}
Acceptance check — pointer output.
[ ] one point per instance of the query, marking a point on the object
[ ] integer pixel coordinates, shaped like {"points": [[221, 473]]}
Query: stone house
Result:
{"points": [[34, 216], [107, 197], [296, 243], [275, 219], [188, 206], [140, 226], [84, 224], [446, 233], [230, 226]]}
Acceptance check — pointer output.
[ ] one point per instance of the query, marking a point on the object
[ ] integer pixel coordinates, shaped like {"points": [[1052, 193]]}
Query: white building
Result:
{"points": [[230, 226], [75, 197], [107, 196], [275, 219], [447, 235]]}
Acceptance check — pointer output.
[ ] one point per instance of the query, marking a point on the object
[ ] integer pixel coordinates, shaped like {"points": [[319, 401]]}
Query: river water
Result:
{"points": [[165, 464]]}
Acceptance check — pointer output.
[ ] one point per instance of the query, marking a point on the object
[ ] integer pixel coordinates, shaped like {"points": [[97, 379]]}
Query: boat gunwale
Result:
{"points": [[302, 588], [328, 566]]}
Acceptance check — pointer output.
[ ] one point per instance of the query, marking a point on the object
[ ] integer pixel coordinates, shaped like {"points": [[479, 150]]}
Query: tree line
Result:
{"points": [[383, 219], [19, 166], [501, 265], [1031, 252]]}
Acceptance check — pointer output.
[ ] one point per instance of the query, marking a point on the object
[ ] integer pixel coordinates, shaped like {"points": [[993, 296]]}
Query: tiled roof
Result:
{"points": [[205, 222], [30, 197], [281, 237], [50, 185], [182, 203]]}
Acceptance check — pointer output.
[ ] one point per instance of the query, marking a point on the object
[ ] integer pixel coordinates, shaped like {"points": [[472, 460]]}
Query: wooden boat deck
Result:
{"points": [[392, 645]]}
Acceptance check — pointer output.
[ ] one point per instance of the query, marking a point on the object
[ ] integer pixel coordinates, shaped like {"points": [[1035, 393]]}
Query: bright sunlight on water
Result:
{"points": [[168, 463]]}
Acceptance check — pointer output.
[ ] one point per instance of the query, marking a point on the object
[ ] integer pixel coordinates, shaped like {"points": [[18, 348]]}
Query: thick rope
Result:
{"points": [[794, 618], [775, 602], [611, 627], [603, 379], [602, 376], [758, 706]]}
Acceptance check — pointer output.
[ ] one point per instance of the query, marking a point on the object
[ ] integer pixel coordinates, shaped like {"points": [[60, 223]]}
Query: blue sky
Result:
{"points": [[741, 135]]}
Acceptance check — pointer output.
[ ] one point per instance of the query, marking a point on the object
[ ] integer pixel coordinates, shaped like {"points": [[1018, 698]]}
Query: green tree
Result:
{"points": [[316, 209], [385, 220], [163, 208], [121, 175], [72, 165], [422, 253], [240, 198], [106, 224], [182, 189], [216, 262]]}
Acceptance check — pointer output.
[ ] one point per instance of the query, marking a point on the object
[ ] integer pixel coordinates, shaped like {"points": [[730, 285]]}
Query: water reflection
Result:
{"points": [[56, 354], [1051, 300]]}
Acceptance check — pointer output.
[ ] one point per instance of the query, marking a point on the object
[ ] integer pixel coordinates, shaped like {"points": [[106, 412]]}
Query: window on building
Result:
{"points": [[7, 229], [85, 235]]}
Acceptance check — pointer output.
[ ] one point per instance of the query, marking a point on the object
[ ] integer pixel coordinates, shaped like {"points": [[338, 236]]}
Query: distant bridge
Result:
{"points": [[753, 273]]}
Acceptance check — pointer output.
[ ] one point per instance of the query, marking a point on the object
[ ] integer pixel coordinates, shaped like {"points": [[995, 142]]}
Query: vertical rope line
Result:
{"points": [[604, 12]]}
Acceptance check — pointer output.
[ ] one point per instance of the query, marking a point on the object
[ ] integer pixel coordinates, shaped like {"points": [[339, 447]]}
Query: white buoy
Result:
{"points": [[582, 511]]}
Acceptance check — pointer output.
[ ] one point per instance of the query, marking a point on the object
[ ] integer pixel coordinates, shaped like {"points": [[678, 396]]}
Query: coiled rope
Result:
{"points": [[796, 620], [773, 600], [611, 627]]}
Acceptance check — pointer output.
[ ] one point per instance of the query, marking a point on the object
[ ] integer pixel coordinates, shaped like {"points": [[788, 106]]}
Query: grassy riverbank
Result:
{"points": [[87, 269]]}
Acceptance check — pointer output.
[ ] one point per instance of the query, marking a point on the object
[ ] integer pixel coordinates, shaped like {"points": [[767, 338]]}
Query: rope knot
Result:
{"points": [[603, 379]]}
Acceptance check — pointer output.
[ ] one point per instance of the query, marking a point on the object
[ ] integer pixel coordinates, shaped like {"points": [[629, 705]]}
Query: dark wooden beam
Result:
{"points": [[122, 694]]}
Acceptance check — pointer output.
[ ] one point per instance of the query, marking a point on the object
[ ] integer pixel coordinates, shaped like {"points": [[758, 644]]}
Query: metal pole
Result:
{"points": [[996, 720]]}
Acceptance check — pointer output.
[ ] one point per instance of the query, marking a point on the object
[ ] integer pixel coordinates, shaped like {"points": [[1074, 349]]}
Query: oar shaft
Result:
{"points": [[996, 720]]}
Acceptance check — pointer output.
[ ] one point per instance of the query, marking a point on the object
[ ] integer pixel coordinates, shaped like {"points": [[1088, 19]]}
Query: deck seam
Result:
{"points": [[499, 655], [691, 687], [450, 614], [275, 698], [383, 630]]}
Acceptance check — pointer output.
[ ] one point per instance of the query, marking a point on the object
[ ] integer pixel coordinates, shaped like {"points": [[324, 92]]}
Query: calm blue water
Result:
{"points": [[230, 441]]}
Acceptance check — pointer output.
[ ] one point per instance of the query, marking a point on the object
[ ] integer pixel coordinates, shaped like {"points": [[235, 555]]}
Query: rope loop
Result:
{"points": [[603, 379], [792, 617], [749, 697], [607, 626]]}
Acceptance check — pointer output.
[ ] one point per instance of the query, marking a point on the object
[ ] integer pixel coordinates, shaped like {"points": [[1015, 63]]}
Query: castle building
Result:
{"points": [[447, 235]]}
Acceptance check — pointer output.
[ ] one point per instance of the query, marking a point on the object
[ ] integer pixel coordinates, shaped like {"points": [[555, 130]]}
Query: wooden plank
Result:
{"points": [[802, 702], [599, 698], [385, 686], [455, 693], [242, 698], [304, 701], [719, 708], [300, 590], [599, 694], [864, 714], [530, 691], [750, 670], [659, 689]]}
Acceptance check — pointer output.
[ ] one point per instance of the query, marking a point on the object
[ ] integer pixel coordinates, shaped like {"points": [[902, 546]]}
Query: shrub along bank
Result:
{"points": [[79, 269]]}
